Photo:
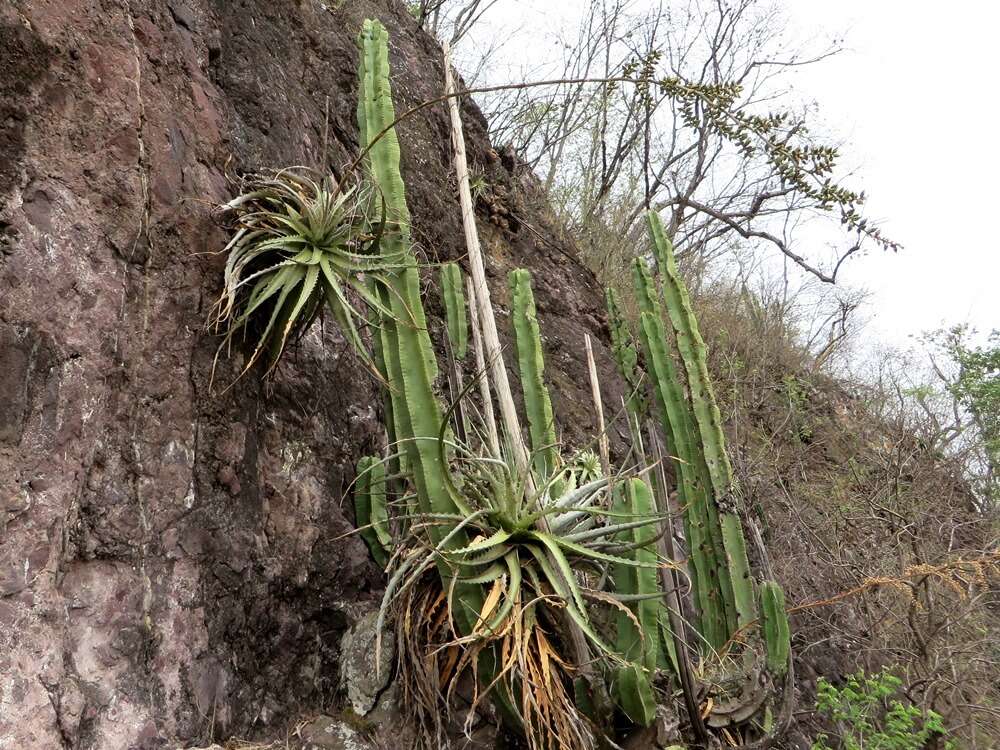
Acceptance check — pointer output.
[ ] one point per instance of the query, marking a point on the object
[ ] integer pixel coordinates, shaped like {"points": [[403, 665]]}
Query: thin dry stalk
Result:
{"points": [[481, 292], [595, 392], [484, 386]]}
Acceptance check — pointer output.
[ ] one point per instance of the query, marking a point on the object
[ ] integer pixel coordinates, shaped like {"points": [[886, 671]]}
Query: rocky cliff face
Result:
{"points": [[173, 565]]}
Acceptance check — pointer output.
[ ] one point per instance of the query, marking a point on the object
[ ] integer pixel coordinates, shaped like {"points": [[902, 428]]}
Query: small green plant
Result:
{"points": [[872, 716], [795, 390], [477, 185], [976, 387], [299, 243], [510, 550]]}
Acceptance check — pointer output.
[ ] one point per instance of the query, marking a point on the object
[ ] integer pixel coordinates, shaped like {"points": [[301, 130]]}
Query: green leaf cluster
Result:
{"points": [[871, 715], [300, 243]]}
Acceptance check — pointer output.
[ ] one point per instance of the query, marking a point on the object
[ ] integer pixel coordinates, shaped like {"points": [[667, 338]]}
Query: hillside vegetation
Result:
{"points": [[290, 459]]}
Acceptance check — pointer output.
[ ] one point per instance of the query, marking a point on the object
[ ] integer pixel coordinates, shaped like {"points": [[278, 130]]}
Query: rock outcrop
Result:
{"points": [[174, 564]]}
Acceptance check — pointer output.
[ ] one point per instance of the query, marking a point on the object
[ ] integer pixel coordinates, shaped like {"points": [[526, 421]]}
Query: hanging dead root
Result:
{"points": [[425, 668], [440, 672], [551, 717]]}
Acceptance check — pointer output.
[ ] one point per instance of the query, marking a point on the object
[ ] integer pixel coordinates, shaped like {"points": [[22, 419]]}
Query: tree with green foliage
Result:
{"points": [[971, 375], [977, 388]]}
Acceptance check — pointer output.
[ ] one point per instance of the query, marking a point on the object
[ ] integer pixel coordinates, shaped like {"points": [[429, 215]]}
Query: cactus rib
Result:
{"points": [[707, 418], [774, 624], [453, 293], [370, 508], [531, 362], [638, 634], [707, 572]]}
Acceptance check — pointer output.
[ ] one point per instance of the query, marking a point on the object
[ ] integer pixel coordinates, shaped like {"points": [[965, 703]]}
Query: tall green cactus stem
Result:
{"points": [[626, 356], [531, 363], [774, 625], [376, 112], [457, 330], [638, 634], [405, 339], [710, 582], [380, 344], [453, 293], [370, 508], [693, 354], [415, 408]]}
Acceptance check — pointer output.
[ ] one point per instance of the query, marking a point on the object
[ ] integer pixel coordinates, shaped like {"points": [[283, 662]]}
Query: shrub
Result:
{"points": [[873, 717]]}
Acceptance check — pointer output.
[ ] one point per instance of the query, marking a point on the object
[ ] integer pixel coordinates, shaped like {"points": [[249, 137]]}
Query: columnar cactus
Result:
{"points": [[404, 337], [694, 357], [537, 405], [453, 293], [712, 590], [694, 424]]}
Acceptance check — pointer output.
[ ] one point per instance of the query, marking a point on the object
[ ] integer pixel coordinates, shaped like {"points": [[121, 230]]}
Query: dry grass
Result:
{"points": [[443, 686]]}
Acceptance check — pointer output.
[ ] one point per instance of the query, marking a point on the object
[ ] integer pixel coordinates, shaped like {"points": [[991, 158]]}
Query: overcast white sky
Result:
{"points": [[915, 96], [914, 99]]}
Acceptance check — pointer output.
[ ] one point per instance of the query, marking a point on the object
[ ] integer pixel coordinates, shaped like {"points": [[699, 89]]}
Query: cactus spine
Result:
{"points": [[537, 405]]}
